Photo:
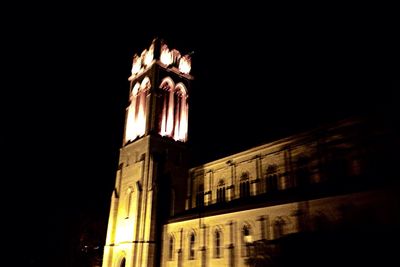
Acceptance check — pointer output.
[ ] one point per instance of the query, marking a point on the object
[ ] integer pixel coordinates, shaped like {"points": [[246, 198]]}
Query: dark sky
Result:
{"points": [[257, 78]]}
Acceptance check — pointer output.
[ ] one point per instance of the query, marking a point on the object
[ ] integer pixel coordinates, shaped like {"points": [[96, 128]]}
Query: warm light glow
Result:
{"points": [[167, 86], [136, 65], [149, 55], [140, 63], [182, 118], [136, 117], [124, 231], [185, 64], [174, 115], [166, 55]]}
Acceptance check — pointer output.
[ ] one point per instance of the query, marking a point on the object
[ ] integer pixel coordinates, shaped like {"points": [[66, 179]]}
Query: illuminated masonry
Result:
{"points": [[172, 107], [241, 210], [152, 157]]}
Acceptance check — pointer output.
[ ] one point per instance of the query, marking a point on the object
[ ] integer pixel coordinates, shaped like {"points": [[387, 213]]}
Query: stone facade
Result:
{"points": [[316, 182], [310, 196]]}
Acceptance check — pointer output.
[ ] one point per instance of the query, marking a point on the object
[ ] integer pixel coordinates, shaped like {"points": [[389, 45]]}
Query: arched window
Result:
{"points": [[221, 191], [167, 87], [192, 240], [244, 185], [217, 243], [129, 193], [246, 240], [174, 110], [278, 227], [136, 111], [302, 171], [171, 248], [200, 196], [272, 178], [181, 113], [122, 264]]}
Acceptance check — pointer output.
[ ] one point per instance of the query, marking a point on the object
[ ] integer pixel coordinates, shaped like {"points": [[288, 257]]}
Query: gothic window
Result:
{"points": [[244, 185], [122, 264], [181, 113], [192, 240], [174, 110], [171, 248], [302, 171], [217, 243], [272, 178], [136, 111], [221, 191], [129, 193], [246, 240], [167, 87], [278, 227], [200, 196]]}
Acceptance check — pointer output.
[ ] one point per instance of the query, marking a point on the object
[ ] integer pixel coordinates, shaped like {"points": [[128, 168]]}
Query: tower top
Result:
{"points": [[159, 53]]}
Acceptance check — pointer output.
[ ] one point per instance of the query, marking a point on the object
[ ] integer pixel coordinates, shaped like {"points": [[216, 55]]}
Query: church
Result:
{"points": [[317, 198]]}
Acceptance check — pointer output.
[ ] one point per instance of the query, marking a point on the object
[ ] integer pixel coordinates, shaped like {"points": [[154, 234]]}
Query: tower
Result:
{"points": [[151, 176]]}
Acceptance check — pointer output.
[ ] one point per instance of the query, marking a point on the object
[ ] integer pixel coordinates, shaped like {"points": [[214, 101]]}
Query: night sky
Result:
{"points": [[256, 79]]}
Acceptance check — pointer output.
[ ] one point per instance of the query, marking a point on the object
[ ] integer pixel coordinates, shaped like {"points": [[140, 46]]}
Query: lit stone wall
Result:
{"points": [[264, 223]]}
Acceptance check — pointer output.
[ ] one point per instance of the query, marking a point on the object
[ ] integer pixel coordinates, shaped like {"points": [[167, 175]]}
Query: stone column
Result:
{"points": [[230, 245], [231, 185]]}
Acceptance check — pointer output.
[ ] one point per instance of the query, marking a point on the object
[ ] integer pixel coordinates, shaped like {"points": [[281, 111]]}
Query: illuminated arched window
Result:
{"points": [[136, 117], [192, 240], [167, 87], [181, 113], [217, 243], [171, 248]]}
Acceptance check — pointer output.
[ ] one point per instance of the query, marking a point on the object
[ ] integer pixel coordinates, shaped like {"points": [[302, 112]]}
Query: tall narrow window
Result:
{"points": [[278, 227], [244, 185], [181, 113], [174, 112], [136, 111], [246, 240], [217, 244], [129, 193], [200, 196], [171, 248], [167, 87], [272, 178], [192, 240], [122, 263], [221, 191]]}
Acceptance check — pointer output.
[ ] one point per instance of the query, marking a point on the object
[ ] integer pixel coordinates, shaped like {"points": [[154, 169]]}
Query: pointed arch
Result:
{"points": [[181, 112], [171, 247], [121, 260], [167, 87], [136, 117], [221, 191], [192, 244], [244, 189], [247, 239], [218, 242], [128, 203], [271, 179]]}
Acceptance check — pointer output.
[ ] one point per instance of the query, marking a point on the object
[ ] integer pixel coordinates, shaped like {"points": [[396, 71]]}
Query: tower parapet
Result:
{"points": [[159, 52]]}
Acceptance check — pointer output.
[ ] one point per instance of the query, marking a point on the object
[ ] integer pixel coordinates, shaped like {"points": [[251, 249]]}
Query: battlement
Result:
{"points": [[159, 52]]}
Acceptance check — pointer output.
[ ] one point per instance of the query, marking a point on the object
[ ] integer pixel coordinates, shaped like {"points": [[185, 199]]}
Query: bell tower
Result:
{"points": [[151, 176]]}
